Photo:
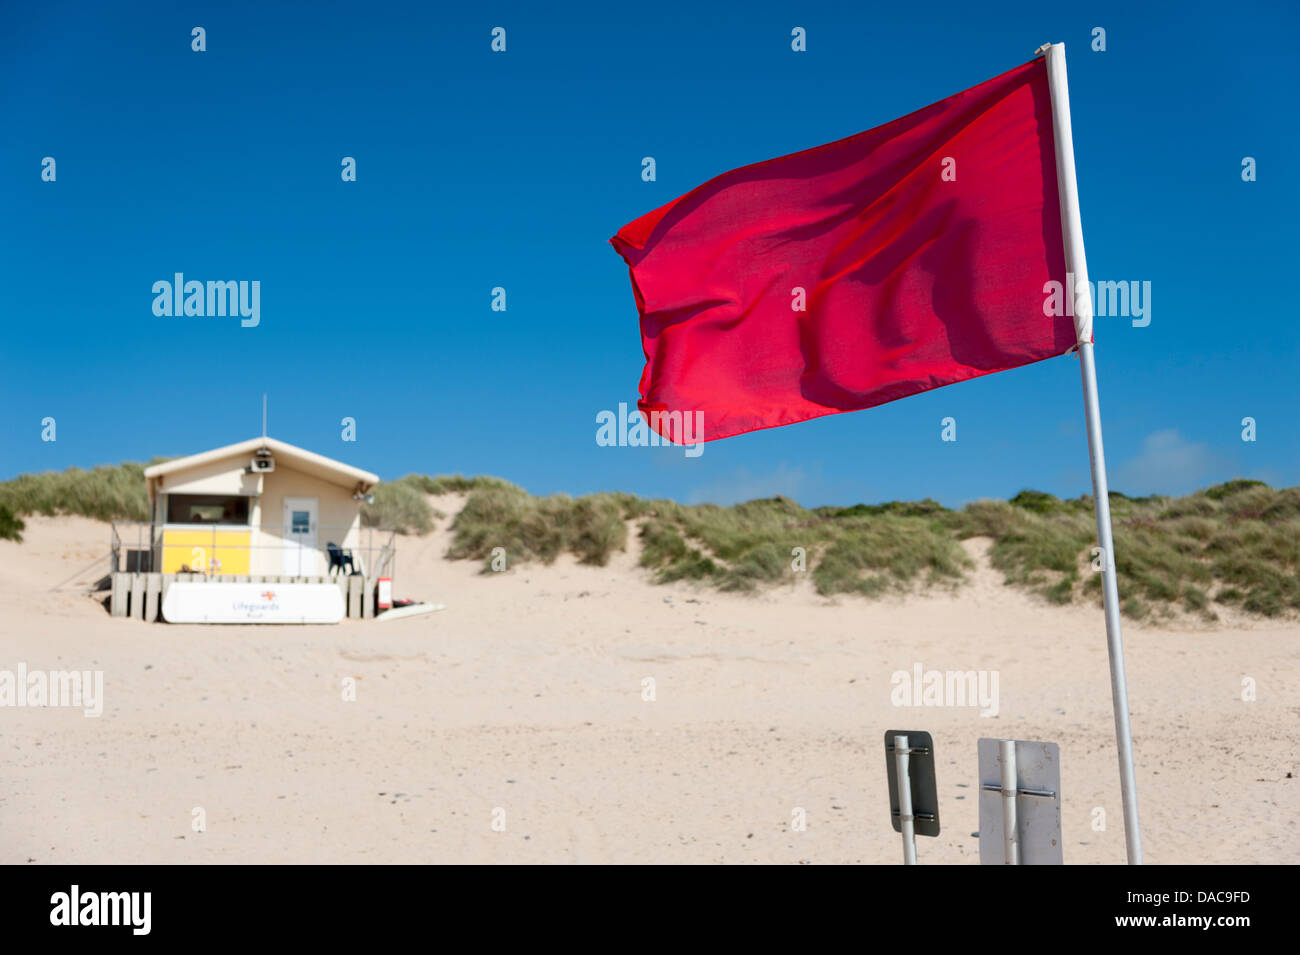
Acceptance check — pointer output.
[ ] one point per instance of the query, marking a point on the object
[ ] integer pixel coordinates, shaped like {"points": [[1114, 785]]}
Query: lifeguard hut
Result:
{"points": [[259, 531]]}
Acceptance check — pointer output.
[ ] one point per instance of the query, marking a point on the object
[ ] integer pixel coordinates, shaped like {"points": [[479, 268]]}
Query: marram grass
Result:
{"points": [[1234, 544]]}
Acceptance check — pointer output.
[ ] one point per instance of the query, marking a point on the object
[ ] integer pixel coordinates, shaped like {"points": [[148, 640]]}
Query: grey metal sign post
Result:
{"points": [[1020, 802], [913, 793]]}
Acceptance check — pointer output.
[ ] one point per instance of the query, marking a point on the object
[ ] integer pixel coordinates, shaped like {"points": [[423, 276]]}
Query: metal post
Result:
{"points": [[1010, 789], [1076, 266], [1110, 592], [905, 800]]}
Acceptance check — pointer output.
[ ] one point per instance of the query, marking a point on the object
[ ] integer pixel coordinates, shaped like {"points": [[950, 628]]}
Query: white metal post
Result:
{"points": [[1010, 791], [905, 800], [1076, 265]]}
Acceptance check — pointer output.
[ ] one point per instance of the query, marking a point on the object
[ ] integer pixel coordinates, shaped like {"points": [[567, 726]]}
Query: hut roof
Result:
{"points": [[298, 459]]}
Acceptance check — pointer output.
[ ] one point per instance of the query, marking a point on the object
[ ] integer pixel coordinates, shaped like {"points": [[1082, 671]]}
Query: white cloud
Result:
{"points": [[1167, 464]]}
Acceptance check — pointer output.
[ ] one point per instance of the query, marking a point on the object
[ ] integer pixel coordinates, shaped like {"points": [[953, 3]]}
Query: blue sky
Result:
{"points": [[478, 169]]}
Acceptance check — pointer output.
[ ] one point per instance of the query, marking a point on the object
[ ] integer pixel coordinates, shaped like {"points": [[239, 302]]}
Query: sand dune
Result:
{"points": [[525, 694]]}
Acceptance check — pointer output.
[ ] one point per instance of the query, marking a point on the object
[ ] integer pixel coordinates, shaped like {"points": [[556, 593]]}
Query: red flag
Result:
{"points": [[921, 247]]}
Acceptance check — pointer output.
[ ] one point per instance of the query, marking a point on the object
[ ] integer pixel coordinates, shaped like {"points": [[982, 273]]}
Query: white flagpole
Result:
{"points": [[1076, 266]]}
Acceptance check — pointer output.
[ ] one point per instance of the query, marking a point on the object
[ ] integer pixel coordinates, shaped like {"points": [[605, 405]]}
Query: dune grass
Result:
{"points": [[106, 493], [456, 483], [400, 505], [11, 525], [531, 528], [1234, 544], [867, 550], [403, 506]]}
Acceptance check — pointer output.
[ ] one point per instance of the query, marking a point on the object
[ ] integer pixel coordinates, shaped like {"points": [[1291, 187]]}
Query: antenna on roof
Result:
{"points": [[263, 416]]}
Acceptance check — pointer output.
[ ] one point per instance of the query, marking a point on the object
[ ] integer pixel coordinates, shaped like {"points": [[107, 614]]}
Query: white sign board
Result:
{"points": [[252, 603], [1037, 802]]}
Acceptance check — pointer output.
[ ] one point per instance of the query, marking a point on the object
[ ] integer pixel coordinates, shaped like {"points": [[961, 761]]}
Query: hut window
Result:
{"points": [[206, 509]]}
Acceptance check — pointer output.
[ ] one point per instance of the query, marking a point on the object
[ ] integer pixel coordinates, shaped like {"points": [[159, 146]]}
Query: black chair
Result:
{"points": [[340, 558]]}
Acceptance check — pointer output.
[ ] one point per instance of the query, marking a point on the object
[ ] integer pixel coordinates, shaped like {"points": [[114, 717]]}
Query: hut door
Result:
{"points": [[300, 536]]}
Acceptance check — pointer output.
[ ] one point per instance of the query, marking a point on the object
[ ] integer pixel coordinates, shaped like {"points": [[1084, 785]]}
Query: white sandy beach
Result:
{"points": [[526, 694]]}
